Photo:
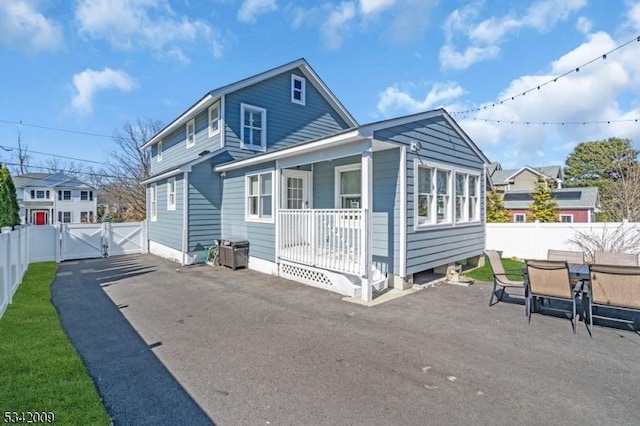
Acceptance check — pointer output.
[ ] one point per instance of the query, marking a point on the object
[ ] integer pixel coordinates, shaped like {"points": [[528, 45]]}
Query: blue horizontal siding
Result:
{"points": [[167, 230], [205, 202]]}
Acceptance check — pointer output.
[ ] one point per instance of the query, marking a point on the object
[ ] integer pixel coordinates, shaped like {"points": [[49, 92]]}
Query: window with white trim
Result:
{"points": [[445, 195], [84, 195], [40, 194], [253, 129], [159, 148], [298, 89], [64, 195], [171, 194], [64, 217], [566, 218], [153, 196], [348, 186], [519, 217], [86, 217], [191, 132], [474, 191], [259, 191], [214, 119]]}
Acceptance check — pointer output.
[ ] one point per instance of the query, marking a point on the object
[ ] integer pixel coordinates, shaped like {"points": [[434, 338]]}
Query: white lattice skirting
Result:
{"points": [[319, 278]]}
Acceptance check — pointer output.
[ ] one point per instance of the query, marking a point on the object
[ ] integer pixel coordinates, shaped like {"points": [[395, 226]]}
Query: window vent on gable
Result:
{"points": [[298, 90]]}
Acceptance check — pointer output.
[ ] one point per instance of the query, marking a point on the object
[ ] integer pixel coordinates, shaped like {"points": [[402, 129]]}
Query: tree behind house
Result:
{"points": [[496, 211], [544, 207]]}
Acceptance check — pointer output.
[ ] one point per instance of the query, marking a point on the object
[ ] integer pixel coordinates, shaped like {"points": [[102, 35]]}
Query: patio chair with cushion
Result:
{"points": [[613, 286], [550, 279], [500, 278], [608, 258], [575, 257]]}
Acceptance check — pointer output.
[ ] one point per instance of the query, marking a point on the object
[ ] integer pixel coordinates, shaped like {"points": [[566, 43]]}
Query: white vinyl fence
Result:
{"points": [[61, 242], [532, 240]]}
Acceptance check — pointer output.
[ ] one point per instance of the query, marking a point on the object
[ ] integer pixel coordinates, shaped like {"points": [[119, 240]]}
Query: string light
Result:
{"points": [[553, 123], [553, 80]]}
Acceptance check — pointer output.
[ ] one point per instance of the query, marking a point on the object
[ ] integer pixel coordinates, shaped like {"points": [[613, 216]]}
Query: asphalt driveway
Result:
{"points": [[255, 349]]}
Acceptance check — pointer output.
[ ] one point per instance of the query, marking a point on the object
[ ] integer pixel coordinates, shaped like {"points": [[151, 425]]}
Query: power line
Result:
{"points": [[56, 129], [27, 151], [553, 80]]}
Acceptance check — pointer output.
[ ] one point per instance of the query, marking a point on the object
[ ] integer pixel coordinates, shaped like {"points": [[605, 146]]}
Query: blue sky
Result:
{"points": [[91, 65]]}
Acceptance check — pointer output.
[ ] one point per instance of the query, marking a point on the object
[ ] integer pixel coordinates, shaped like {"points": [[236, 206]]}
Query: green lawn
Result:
{"points": [[39, 368], [484, 273]]}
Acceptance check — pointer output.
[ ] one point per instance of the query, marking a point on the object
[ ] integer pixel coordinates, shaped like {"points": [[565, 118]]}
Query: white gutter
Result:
{"points": [[165, 175]]}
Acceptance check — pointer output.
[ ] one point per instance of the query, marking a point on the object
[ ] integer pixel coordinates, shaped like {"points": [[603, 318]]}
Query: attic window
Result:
{"points": [[298, 89], [191, 133]]}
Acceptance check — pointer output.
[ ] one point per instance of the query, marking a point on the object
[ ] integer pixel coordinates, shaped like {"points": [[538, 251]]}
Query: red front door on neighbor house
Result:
{"points": [[40, 218]]}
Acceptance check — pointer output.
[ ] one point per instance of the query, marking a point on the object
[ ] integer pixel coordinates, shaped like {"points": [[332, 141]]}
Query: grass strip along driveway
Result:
{"points": [[41, 371]]}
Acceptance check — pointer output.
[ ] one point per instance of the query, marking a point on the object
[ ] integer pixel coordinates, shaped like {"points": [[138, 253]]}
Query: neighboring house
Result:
{"points": [[46, 198], [277, 160], [517, 185]]}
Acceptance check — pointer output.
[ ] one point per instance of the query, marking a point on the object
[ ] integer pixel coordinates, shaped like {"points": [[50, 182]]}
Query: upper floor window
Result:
{"points": [[253, 130], [445, 195], [348, 186], [191, 133], [159, 148], [259, 192], [298, 94], [171, 194], [64, 195], [86, 195], [40, 194], [214, 119], [153, 196]]}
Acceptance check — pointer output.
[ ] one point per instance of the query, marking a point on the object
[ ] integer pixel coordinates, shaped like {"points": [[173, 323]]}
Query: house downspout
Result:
{"points": [[367, 205], [403, 212], [185, 217]]}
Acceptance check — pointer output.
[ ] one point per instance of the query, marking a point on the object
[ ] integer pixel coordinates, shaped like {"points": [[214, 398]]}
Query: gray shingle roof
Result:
{"points": [[48, 180], [567, 198], [499, 177]]}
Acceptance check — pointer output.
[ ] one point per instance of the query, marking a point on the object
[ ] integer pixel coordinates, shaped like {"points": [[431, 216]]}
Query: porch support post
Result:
{"points": [[367, 206]]}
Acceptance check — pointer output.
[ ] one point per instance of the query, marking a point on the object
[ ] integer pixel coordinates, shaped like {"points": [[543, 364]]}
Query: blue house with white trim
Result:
{"points": [[277, 160]]}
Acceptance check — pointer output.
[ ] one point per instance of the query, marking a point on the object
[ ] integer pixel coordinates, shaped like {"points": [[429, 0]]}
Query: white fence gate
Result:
{"points": [[63, 242]]}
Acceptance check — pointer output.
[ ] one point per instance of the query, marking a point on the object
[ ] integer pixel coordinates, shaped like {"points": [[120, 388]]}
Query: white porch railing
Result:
{"points": [[328, 239]]}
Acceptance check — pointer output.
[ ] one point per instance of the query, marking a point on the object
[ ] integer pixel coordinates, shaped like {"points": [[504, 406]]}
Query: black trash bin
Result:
{"points": [[233, 253]]}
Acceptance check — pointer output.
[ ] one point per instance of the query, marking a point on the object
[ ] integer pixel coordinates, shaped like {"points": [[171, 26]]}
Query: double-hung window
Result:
{"points": [[445, 195], [214, 119], [253, 129], [84, 195], [64, 195], [191, 133], [171, 194], [259, 190], [153, 196], [64, 217], [159, 151], [519, 218], [297, 89], [348, 186], [40, 194]]}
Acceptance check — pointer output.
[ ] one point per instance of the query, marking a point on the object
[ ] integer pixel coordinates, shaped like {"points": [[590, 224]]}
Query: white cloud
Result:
{"points": [[130, 24], [336, 25], [633, 17], [397, 100], [595, 93], [89, 81], [23, 27], [486, 36], [452, 59], [250, 9], [375, 6], [584, 25]]}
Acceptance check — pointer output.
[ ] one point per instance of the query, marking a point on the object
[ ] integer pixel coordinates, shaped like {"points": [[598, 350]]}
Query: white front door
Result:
{"points": [[296, 189]]}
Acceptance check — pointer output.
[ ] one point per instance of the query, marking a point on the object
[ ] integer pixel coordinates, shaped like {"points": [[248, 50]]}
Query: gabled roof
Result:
{"points": [[215, 94], [48, 180], [501, 177], [347, 136], [567, 198]]}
